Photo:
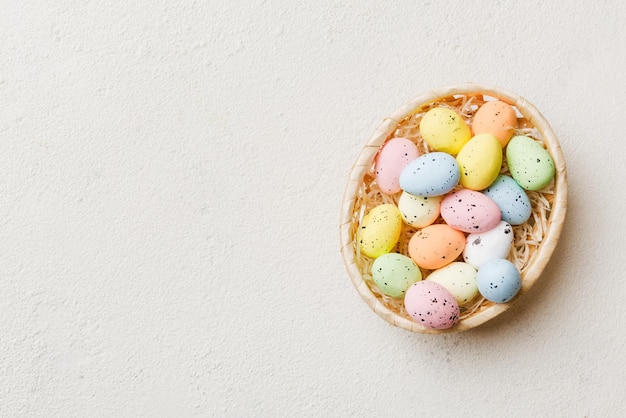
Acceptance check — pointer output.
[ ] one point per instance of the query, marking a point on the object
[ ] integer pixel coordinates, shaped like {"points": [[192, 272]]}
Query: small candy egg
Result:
{"points": [[496, 118], [431, 305], [511, 199], [436, 246], [530, 164], [380, 230], [470, 211], [432, 174], [394, 273], [419, 211], [498, 280], [444, 130], [480, 161], [459, 279], [394, 155], [484, 246]]}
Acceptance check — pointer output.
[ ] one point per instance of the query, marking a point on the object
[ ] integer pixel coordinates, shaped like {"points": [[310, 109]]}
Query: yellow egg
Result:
{"points": [[380, 230], [480, 161], [444, 130]]}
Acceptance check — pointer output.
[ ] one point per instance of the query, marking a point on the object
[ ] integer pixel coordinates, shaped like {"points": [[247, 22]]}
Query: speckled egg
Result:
{"points": [[432, 174], [496, 118], [380, 230], [431, 305], [436, 246], [498, 280], [419, 211], [530, 164], [394, 273], [480, 161], [459, 279], [511, 199], [470, 211], [392, 158], [484, 246], [444, 130]]}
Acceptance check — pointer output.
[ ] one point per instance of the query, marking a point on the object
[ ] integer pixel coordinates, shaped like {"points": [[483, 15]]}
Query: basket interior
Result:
{"points": [[528, 237]]}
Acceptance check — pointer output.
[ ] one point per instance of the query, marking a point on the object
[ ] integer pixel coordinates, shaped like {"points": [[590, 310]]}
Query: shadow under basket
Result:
{"points": [[534, 241]]}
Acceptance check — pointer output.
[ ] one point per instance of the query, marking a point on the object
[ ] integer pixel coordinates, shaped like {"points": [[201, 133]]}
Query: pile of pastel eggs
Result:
{"points": [[462, 208]]}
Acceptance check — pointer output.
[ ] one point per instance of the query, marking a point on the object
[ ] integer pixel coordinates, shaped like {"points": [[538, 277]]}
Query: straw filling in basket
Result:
{"points": [[527, 237]]}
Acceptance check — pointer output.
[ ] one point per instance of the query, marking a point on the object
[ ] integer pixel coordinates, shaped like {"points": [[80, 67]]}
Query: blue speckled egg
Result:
{"points": [[498, 280], [433, 174], [511, 199]]}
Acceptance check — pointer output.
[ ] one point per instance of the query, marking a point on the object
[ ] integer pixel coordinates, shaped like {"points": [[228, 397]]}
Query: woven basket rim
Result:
{"points": [[366, 158]]}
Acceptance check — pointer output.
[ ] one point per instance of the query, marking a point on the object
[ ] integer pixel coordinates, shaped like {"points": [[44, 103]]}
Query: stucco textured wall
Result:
{"points": [[171, 175]]}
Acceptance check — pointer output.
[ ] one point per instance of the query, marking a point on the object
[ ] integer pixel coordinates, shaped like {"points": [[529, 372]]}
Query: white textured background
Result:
{"points": [[171, 175]]}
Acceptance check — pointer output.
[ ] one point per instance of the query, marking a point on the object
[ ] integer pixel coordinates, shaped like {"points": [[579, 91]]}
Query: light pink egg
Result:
{"points": [[392, 158], [431, 305], [470, 211]]}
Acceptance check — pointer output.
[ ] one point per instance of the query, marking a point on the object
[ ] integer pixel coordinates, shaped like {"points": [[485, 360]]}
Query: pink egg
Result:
{"points": [[431, 305], [470, 211], [392, 158]]}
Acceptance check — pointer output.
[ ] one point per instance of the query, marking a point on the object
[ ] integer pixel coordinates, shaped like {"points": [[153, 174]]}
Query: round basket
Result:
{"points": [[534, 241]]}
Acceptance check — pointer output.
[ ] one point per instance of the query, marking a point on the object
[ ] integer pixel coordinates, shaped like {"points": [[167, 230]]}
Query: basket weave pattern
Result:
{"points": [[534, 241]]}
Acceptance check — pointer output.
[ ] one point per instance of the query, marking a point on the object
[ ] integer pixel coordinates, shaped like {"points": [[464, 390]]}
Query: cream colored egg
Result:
{"points": [[419, 211], [459, 279]]}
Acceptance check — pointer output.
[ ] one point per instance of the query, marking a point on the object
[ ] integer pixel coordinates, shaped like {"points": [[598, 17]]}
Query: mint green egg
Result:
{"points": [[530, 164], [394, 273]]}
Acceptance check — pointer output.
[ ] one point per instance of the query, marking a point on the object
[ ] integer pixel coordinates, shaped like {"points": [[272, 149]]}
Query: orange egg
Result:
{"points": [[436, 246], [496, 118]]}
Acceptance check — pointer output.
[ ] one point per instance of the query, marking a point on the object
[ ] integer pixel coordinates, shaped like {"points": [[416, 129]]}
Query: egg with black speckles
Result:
{"points": [[496, 118], [394, 155], [484, 246], [393, 273], [530, 163], [419, 211], [435, 246], [380, 230], [511, 199], [498, 280], [433, 174], [459, 279], [480, 161], [431, 305], [444, 130], [470, 211]]}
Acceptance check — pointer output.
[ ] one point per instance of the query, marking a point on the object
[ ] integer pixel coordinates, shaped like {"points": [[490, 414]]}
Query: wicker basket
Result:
{"points": [[534, 243]]}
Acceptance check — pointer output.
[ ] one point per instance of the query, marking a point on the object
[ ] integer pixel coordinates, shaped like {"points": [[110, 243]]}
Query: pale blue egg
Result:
{"points": [[498, 280], [433, 174], [511, 199]]}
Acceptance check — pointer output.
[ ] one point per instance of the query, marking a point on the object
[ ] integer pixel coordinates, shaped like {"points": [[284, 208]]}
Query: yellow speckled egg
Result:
{"points": [[380, 230], [480, 161], [496, 118], [444, 130]]}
